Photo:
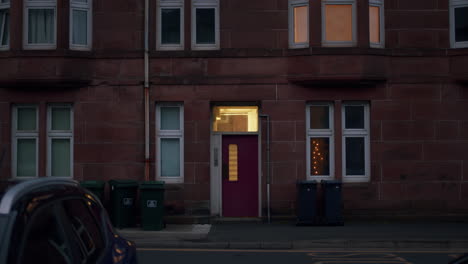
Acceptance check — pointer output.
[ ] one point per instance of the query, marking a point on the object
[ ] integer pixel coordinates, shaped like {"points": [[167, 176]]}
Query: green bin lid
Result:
{"points": [[152, 185], [93, 184], [123, 183]]}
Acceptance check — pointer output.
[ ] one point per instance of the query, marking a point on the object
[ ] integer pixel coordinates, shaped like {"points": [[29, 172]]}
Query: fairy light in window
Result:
{"points": [[317, 157]]}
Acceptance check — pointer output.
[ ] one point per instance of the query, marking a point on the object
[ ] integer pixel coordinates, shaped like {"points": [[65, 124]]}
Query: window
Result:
{"points": [[355, 143], [320, 134], [4, 24], [40, 24], [338, 23], [80, 24], [170, 25], [88, 239], [298, 24], [459, 23], [25, 138], [60, 141], [45, 239], [235, 119], [376, 23], [170, 142], [205, 24]]}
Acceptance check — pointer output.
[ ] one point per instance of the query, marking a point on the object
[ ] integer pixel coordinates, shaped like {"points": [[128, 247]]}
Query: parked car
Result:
{"points": [[50, 220]]}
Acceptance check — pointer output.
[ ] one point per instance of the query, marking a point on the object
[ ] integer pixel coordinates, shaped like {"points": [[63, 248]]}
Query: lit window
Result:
{"points": [[459, 23], [80, 24], [205, 24], [25, 141], [170, 25], [376, 23], [320, 134], [4, 24], [60, 140], [170, 142], [235, 119], [298, 24], [356, 150], [338, 23], [40, 24]]}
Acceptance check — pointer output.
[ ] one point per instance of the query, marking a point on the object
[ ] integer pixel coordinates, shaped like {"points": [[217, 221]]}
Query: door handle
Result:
{"points": [[225, 171]]}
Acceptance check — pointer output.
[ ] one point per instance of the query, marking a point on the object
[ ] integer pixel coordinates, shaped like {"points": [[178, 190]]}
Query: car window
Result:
{"points": [[89, 235], [44, 239]]}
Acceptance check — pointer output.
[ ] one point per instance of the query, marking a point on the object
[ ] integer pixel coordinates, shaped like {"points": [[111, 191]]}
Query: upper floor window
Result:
{"points": [[4, 24], [170, 25], [298, 23], [459, 23], [80, 24], [376, 23], [40, 24], [205, 24], [339, 23]]}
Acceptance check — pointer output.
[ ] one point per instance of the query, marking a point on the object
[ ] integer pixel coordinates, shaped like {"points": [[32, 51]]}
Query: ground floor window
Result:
{"points": [[170, 142], [322, 137]]}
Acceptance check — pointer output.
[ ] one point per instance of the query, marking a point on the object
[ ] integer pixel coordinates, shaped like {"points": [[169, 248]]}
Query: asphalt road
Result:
{"points": [[226, 256]]}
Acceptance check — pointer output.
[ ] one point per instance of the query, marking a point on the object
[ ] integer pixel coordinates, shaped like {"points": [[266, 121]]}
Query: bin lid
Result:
{"points": [[93, 184], [306, 182], [123, 183], [330, 182], [152, 185]]}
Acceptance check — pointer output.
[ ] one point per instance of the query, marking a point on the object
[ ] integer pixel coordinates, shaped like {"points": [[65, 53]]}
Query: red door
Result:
{"points": [[240, 176]]}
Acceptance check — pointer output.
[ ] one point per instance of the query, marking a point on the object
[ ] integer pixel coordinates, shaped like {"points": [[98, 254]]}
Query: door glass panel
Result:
{"points": [[355, 156], [170, 118], [26, 157], [374, 24], [61, 118], [233, 162], [461, 24], [60, 157], [320, 156], [205, 25], [300, 24], [170, 26], [354, 117], [319, 117], [170, 157], [26, 119], [235, 119], [339, 22]]}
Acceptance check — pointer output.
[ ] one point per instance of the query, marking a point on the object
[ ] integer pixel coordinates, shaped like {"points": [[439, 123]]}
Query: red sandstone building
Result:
{"points": [[215, 97]]}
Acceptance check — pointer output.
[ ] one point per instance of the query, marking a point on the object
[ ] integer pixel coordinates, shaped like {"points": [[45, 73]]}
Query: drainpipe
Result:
{"points": [[268, 166], [146, 91]]}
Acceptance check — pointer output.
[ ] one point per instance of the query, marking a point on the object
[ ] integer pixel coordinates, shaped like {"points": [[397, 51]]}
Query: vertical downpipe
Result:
{"points": [[268, 167], [146, 93]]}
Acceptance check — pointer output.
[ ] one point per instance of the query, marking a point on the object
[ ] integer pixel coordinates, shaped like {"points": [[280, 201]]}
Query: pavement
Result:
{"points": [[286, 235]]}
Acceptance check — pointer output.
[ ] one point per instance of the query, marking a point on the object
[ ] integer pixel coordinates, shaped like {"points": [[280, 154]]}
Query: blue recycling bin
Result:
{"points": [[306, 202], [332, 202]]}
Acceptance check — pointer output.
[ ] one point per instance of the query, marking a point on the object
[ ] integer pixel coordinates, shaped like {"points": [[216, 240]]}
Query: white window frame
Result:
{"points": [[39, 4], [351, 43], [456, 4], [88, 7], [365, 133], [162, 134], [179, 4], [59, 134], [4, 5], [291, 5], [33, 134], [381, 6], [321, 133], [205, 4]]}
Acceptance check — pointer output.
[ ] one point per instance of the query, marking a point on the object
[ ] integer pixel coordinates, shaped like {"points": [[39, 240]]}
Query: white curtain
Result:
{"points": [[80, 27], [41, 26]]}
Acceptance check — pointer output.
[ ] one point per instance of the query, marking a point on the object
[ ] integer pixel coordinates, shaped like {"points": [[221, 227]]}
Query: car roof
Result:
{"points": [[15, 192]]}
